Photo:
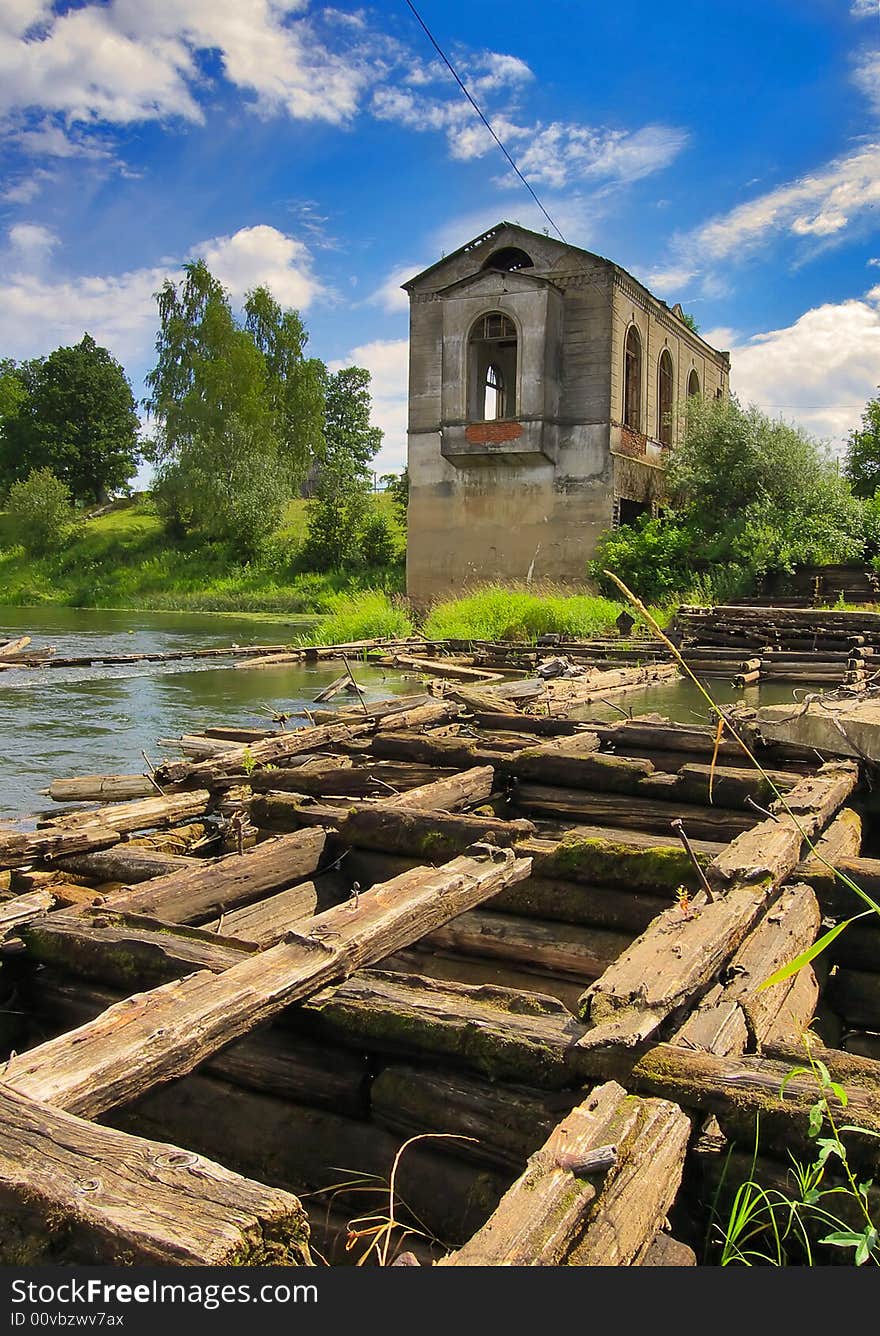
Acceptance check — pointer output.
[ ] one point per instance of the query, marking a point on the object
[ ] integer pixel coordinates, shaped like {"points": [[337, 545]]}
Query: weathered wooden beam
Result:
{"points": [[632, 812], [156, 1036], [124, 863], [445, 795], [210, 888], [562, 1211], [104, 1196], [554, 948], [682, 951], [91, 788], [237, 761], [737, 1013], [656, 864], [431, 836]]}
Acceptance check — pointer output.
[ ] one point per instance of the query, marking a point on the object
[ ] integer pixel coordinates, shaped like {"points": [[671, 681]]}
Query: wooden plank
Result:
{"points": [[112, 1197], [555, 948], [237, 761], [680, 953], [445, 795], [90, 788], [631, 812], [390, 827], [156, 1036], [209, 889], [739, 1012], [549, 1217]]}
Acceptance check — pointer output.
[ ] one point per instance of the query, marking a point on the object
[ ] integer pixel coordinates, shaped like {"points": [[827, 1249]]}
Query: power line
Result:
{"points": [[454, 72]]}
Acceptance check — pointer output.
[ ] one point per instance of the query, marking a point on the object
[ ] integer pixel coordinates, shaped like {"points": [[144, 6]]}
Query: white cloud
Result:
{"points": [[38, 313], [387, 360], [819, 204], [262, 255], [31, 243], [555, 154], [133, 60], [867, 77], [820, 371], [865, 9], [389, 294], [667, 282]]}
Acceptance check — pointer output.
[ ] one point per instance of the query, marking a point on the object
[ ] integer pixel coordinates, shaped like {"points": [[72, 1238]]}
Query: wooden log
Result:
{"points": [[127, 863], [18, 847], [738, 1012], [643, 814], [165, 1033], [504, 1122], [429, 749], [266, 921], [271, 1059], [630, 859], [89, 788], [664, 1250], [553, 948], [771, 849], [835, 897], [419, 716], [796, 1012], [445, 795], [205, 891], [22, 908], [747, 679], [441, 668], [564, 901], [578, 765], [314, 1150], [141, 814], [110, 1196], [237, 761], [731, 785], [392, 828], [11, 647], [560, 1211], [678, 955], [129, 952], [739, 1090]]}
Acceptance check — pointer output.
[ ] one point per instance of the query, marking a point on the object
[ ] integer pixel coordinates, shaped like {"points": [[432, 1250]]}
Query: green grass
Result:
{"points": [[361, 616], [124, 559], [496, 612]]}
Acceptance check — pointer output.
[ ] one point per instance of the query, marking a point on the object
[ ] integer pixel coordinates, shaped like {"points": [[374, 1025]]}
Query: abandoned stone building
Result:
{"points": [[544, 383]]}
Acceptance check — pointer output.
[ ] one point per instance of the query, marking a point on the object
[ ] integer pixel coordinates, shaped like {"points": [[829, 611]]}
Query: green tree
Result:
{"points": [[72, 412], [238, 409], [862, 460], [339, 511], [397, 485], [749, 495], [41, 510]]}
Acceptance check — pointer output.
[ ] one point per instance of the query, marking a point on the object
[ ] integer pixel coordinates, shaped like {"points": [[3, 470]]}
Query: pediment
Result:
{"points": [[496, 283]]}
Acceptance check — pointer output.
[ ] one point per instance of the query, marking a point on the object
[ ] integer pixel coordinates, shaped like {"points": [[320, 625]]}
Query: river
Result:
{"points": [[60, 722]]}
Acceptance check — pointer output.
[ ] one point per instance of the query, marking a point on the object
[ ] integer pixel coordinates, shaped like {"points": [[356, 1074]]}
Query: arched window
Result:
{"points": [[509, 258], [693, 385], [665, 388], [632, 380], [492, 368]]}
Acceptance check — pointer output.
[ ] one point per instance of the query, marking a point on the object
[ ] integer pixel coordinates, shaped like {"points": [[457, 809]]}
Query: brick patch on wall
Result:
{"points": [[492, 433]]}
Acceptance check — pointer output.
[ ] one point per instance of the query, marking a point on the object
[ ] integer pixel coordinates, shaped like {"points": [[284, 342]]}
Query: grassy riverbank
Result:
{"points": [[125, 559]]}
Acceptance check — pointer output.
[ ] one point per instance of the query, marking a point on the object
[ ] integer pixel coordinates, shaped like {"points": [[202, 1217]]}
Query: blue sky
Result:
{"points": [[728, 156]]}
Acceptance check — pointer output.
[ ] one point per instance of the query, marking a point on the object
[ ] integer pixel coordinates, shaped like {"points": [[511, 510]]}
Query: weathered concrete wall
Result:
{"points": [[528, 498], [505, 520]]}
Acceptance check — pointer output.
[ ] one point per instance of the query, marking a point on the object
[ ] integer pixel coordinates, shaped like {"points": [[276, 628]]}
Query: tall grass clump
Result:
{"points": [[498, 613], [361, 616]]}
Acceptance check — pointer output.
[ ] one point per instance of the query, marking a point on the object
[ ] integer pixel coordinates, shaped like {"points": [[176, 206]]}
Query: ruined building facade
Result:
{"points": [[544, 384]]}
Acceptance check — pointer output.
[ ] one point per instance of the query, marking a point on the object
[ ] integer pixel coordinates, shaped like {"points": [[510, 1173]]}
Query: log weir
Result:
{"points": [[537, 942]]}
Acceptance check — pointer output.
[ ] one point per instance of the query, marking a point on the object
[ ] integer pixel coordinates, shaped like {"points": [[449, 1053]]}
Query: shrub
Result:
{"points": [[498, 613], [41, 511], [377, 544], [364, 616]]}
